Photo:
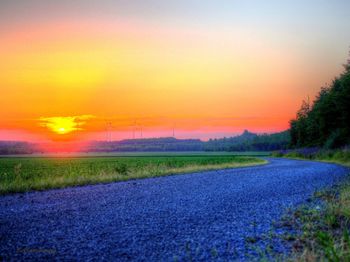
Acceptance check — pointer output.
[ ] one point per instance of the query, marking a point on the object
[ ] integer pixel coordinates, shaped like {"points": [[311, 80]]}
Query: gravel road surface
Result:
{"points": [[200, 216]]}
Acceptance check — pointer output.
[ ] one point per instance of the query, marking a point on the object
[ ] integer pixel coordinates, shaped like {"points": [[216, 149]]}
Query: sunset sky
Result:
{"points": [[71, 69]]}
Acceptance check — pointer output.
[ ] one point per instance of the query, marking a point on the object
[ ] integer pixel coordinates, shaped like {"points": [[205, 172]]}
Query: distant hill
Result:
{"points": [[247, 141], [17, 147], [147, 144]]}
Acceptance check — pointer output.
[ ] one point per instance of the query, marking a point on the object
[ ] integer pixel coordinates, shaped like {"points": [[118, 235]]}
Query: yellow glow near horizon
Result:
{"points": [[218, 79], [64, 125]]}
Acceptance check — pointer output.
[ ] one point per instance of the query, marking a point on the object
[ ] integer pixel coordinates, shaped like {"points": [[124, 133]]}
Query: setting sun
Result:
{"points": [[174, 130], [209, 70], [62, 130], [64, 125]]}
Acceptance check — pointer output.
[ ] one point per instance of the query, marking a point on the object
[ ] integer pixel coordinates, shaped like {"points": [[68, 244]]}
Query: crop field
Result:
{"points": [[139, 154], [21, 174]]}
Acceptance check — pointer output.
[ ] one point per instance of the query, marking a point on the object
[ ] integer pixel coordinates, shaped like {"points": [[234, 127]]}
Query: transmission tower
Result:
{"points": [[133, 126], [109, 128], [174, 129]]}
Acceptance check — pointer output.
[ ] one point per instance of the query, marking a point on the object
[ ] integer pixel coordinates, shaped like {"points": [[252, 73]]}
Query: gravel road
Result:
{"points": [[200, 216]]}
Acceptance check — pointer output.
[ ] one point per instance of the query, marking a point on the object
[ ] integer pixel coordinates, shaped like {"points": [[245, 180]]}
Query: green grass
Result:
{"points": [[325, 228], [39, 173], [333, 156]]}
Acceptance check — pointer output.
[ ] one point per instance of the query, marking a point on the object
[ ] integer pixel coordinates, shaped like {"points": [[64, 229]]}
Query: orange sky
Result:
{"points": [[64, 77]]}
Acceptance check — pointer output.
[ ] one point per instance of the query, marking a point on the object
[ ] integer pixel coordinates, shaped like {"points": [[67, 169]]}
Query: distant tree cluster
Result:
{"points": [[247, 141], [326, 122], [17, 147], [147, 145], [250, 142]]}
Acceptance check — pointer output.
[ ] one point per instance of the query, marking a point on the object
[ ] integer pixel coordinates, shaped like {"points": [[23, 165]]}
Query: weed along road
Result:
{"points": [[193, 216]]}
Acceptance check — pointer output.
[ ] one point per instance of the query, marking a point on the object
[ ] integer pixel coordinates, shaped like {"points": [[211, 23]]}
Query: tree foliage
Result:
{"points": [[326, 122], [250, 142]]}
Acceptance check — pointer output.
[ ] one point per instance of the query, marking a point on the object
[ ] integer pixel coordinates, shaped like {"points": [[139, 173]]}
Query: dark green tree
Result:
{"points": [[326, 122]]}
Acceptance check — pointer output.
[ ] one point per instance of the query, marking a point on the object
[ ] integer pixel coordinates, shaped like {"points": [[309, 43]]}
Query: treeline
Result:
{"points": [[326, 122], [17, 147], [147, 145], [250, 142], [247, 141]]}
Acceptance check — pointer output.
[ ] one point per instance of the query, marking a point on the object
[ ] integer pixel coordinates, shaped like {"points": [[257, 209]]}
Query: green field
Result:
{"points": [[21, 174], [162, 154]]}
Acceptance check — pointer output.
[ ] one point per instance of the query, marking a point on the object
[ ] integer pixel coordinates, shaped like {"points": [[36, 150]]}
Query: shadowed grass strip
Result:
{"points": [[339, 156]]}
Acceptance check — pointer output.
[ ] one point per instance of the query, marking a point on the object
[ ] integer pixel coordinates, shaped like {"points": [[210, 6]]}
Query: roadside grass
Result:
{"points": [[27, 174], [324, 228], [340, 156], [335, 156], [324, 225]]}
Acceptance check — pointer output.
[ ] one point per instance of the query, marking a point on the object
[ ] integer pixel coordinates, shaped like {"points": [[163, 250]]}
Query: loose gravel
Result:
{"points": [[200, 216]]}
